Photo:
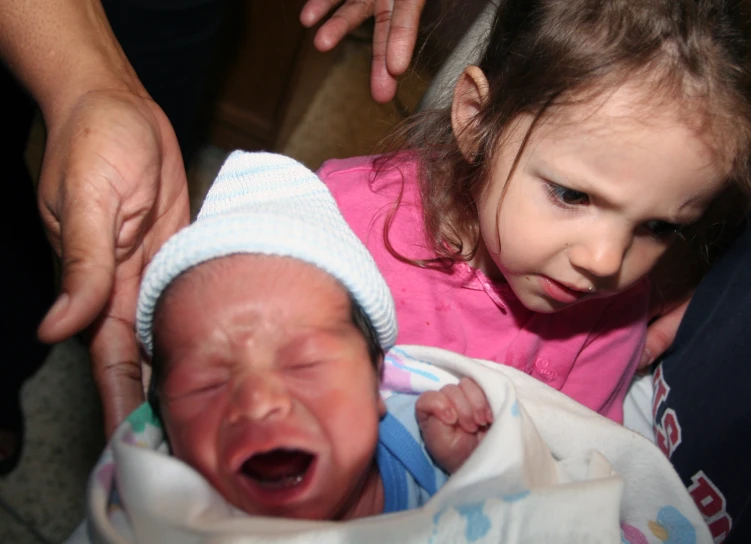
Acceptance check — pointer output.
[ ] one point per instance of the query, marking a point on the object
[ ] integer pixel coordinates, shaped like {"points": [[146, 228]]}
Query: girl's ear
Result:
{"points": [[470, 94]]}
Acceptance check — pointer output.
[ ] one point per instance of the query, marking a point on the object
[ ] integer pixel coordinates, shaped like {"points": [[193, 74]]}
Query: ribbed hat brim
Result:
{"points": [[299, 220]]}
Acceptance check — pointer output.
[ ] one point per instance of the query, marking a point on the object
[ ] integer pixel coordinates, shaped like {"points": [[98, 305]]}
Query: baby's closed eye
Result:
{"points": [[313, 354], [191, 383], [303, 365]]}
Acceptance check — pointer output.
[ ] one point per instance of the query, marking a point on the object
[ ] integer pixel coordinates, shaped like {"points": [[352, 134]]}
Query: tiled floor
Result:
{"points": [[42, 501]]}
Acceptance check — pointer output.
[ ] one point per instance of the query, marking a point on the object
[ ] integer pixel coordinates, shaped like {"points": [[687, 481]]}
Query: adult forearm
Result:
{"points": [[62, 49]]}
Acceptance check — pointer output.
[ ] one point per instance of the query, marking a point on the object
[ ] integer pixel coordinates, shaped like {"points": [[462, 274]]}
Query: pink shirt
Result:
{"points": [[588, 351]]}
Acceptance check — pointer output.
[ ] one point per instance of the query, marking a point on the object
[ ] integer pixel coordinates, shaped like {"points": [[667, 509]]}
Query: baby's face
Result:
{"points": [[268, 389]]}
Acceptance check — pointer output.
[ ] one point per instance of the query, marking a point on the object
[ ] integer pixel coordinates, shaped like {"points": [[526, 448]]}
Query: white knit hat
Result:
{"points": [[273, 205]]}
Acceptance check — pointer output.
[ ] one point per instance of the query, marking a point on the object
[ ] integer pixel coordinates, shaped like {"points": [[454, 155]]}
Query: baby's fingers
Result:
{"points": [[465, 412], [474, 394], [435, 404]]}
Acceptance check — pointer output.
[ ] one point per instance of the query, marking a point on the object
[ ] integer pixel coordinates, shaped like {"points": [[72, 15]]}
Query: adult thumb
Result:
{"points": [[661, 333], [87, 252]]}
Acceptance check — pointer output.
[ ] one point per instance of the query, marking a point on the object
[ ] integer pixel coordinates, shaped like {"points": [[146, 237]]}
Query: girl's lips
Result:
{"points": [[561, 293]]}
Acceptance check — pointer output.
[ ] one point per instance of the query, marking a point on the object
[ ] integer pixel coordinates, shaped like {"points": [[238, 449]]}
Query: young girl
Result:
{"points": [[519, 225]]}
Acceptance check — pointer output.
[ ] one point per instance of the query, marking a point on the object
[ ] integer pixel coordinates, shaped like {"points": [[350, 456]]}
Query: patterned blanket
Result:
{"points": [[549, 470]]}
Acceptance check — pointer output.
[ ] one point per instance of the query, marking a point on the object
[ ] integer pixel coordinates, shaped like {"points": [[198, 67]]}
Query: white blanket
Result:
{"points": [[549, 470]]}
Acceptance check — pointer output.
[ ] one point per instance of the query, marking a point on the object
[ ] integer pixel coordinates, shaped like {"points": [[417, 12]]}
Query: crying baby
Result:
{"points": [[266, 322]]}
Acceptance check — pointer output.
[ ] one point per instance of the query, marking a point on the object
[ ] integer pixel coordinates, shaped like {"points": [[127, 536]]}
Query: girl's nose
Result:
{"points": [[259, 396], [601, 251]]}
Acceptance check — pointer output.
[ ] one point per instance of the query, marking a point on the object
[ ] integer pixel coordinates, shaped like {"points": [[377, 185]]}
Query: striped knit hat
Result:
{"points": [[272, 205]]}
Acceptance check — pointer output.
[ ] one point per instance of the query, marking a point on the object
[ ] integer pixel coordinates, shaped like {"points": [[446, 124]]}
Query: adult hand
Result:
{"points": [[112, 190], [394, 37], [661, 332], [112, 187]]}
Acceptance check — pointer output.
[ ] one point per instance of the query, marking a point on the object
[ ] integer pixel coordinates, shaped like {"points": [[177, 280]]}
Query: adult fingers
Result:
{"points": [[116, 367], [661, 333], [115, 356], [345, 19], [405, 22], [394, 36], [314, 10], [382, 82], [87, 253]]}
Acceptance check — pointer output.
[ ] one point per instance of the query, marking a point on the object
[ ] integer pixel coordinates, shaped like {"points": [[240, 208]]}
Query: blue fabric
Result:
{"points": [[408, 473], [702, 412]]}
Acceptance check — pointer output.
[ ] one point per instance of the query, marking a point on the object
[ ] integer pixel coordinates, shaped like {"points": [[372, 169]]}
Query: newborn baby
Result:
{"points": [[265, 322]]}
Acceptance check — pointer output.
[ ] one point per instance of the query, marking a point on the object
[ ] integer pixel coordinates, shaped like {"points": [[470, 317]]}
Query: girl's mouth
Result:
{"points": [[560, 292]]}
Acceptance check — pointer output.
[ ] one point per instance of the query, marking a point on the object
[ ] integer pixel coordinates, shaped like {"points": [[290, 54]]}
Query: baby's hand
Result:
{"points": [[453, 421]]}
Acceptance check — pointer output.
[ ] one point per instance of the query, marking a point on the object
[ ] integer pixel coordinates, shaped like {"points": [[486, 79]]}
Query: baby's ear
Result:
{"points": [[470, 94], [381, 406]]}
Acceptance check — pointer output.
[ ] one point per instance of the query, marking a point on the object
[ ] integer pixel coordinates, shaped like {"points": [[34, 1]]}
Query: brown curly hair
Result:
{"points": [[545, 54]]}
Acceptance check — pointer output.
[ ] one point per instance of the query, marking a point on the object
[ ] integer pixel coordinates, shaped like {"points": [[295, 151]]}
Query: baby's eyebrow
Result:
{"points": [[336, 333]]}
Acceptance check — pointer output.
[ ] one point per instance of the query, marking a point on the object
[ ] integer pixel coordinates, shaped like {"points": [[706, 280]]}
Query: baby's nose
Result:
{"points": [[260, 396]]}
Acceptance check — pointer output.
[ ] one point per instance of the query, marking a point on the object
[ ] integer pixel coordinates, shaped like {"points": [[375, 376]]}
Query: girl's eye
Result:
{"points": [[566, 196], [662, 229]]}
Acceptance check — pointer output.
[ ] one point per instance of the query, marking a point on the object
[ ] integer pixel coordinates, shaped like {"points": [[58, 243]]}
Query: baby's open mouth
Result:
{"points": [[277, 469]]}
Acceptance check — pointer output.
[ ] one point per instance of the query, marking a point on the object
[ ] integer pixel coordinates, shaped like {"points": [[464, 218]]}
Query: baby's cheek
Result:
{"points": [[362, 435], [192, 441]]}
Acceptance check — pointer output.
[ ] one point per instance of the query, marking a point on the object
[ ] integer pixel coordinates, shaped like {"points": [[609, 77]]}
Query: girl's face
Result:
{"points": [[599, 194]]}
